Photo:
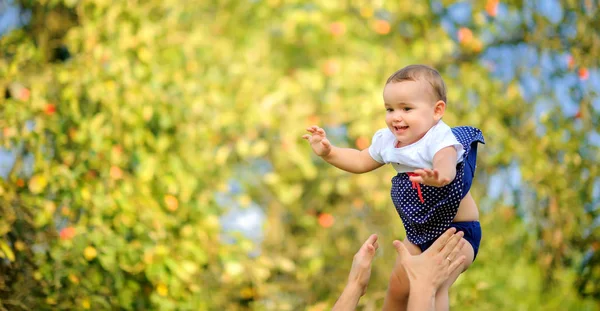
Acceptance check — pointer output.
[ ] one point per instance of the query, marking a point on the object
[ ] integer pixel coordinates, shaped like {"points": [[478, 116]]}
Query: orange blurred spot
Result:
{"points": [[171, 202], [50, 109], [578, 114], [24, 94], [72, 132], [285, 145], [331, 67], [362, 143], [477, 46], [20, 183], [326, 220], [116, 172], [465, 35], [382, 27], [67, 233], [358, 203], [65, 211], [491, 7], [337, 29], [595, 246], [312, 120], [584, 74], [117, 149], [570, 62]]}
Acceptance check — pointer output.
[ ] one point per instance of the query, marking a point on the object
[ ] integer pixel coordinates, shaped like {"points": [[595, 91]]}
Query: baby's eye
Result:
{"points": [[389, 109], [407, 109]]}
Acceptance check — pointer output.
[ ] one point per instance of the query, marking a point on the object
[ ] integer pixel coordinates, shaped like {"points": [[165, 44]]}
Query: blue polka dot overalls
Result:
{"points": [[428, 211]]}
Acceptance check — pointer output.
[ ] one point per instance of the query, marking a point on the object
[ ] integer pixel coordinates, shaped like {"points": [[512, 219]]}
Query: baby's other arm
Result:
{"points": [[444, 162], [347, 159], [444, 169], [352, 160]]}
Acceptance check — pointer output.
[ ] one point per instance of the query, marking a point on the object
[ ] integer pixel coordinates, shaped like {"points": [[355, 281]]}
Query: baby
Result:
{"points": [[435, 165]]}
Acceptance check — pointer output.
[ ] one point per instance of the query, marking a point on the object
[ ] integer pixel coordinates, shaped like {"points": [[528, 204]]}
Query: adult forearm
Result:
{"points": [[348, 299], [421, 298]]}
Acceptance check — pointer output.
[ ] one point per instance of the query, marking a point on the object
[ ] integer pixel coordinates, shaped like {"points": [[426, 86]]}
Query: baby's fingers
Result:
{"points": [[429, 173], [417, 179]]}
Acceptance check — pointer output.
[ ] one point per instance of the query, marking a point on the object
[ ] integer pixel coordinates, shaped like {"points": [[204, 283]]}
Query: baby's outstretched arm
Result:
{"points": [[347, 159], [443, 172]]}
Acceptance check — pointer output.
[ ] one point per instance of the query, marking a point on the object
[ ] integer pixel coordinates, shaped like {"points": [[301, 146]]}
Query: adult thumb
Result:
{"points": [[401, 249]]}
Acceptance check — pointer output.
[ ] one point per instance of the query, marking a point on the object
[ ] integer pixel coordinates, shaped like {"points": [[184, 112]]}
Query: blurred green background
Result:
{"points": [[151, 156]]}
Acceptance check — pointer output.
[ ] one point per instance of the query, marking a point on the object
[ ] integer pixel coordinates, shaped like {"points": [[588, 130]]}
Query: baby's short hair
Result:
{"points": [[428, 74]]}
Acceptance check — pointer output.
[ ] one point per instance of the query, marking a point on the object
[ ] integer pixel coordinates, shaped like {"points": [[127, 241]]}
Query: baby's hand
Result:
{"points": [[318, 141], [429, 177]]}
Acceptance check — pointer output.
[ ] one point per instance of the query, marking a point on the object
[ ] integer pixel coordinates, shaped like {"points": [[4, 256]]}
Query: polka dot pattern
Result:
{"points": [[427, 221]]}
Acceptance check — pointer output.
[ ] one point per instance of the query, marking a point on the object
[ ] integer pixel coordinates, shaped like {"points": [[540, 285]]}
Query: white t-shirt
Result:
{"points": [[416, 155]]}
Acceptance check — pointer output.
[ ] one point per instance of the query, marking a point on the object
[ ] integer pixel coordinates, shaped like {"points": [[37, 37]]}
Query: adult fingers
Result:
{"points": [[442, 240], [455, 250], [371, 239], [452, 244], [456, 263], [401, 249]]}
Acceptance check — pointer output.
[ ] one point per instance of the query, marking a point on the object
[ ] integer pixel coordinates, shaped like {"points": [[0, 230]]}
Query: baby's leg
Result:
{"points": [[441, 298], [398, 288]]}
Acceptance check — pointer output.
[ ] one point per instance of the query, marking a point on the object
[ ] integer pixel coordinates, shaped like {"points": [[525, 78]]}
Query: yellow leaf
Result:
{"points": [[7, 252], [85, 303], [162, 290], [90, 253], [234, 268], [37, 184]]}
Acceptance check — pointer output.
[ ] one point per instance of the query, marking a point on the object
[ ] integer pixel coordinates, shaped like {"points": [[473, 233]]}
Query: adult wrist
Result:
{"points": [[349, 298], [423, 288], [355, 288]]}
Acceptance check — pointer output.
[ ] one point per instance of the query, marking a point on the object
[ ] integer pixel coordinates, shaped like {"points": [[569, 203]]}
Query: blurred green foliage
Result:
{"points": [[136, 113]]}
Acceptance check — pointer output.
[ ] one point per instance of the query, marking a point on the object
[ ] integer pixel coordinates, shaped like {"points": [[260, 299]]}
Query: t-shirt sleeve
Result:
{"points": [[444, 138], [377, 146]]}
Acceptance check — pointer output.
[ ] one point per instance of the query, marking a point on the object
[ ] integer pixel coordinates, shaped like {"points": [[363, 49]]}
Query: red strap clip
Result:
{"points": [[417, 186]]}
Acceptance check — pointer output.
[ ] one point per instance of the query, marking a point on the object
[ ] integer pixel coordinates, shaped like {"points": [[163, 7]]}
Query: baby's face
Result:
{"points": [[411, 110]]}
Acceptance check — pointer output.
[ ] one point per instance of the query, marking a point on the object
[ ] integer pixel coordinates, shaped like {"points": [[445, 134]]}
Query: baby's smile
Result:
{"points": [[400, 128]]}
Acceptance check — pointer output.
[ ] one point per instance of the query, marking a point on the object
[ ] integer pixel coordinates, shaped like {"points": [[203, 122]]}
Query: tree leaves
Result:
{"points": [[162, 105]]}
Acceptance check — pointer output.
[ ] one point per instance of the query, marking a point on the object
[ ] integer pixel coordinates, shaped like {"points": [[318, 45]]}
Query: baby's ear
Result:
{"points": [[439, 109]]}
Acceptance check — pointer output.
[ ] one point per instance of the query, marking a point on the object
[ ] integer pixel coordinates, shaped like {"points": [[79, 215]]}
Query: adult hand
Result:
{"points": [[359, 276], [360, 273], [433, 267]]}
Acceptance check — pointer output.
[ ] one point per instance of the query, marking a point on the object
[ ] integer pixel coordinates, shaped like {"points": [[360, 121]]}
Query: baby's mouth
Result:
{"points": [[400, 128]]}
